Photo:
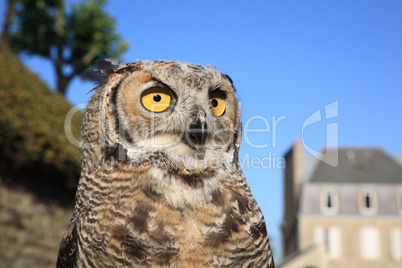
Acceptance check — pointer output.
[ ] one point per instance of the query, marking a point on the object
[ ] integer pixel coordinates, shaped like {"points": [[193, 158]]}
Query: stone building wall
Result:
{"points": [[350, 228]]}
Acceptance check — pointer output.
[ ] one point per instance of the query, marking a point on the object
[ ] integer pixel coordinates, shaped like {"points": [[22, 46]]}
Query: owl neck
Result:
{"points": [[156, 175]]}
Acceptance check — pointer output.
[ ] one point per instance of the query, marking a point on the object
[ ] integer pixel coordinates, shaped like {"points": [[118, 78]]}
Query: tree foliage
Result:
{"points": [[71, 37], [34, 148]]}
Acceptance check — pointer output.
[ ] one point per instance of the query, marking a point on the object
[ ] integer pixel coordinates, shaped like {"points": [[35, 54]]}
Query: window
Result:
{"points": [[319, 235], [329, 201], [396, 244], [368, 202], [370, 243], [326, 240], [332, 239]]}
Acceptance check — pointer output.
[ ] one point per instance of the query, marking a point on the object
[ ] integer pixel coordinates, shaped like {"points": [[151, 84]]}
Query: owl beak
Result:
{"points": [[198, 131]]}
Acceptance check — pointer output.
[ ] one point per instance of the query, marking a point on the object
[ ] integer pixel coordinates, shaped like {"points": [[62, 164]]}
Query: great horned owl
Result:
{"points": [[161, 184]]}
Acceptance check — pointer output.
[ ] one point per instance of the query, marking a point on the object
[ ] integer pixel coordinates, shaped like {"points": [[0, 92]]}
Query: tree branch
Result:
{"points": [[5, 36]]}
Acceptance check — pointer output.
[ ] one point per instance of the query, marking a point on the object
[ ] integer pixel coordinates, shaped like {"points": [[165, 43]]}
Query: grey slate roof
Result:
{"points": [[310, 165], [398, 158], [358, 166]]}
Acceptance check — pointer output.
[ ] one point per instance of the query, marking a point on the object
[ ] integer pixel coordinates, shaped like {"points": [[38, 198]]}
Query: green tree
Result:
{"points": [[72, 37]]}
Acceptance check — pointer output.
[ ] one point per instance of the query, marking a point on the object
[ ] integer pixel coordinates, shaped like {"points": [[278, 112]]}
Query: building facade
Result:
{"points": [[349, 215]]}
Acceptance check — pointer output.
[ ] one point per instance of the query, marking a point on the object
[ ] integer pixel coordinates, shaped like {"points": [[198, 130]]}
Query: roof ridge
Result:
{"points": [[354, 147]]}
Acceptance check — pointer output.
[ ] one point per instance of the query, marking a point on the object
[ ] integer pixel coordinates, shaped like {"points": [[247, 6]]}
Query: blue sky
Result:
{"points": [[287, 59]]}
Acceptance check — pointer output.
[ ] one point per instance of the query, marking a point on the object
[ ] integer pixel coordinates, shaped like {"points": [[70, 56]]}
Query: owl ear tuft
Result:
{"points": [[104, 68]]}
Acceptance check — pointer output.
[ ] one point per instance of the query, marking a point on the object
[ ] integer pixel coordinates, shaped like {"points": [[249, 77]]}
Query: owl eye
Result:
{"points": [[156, 99], [217, 102]]}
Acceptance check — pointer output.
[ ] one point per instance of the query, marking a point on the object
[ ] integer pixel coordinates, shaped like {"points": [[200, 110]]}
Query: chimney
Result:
{"points": [[298, 172], [293, 175]]}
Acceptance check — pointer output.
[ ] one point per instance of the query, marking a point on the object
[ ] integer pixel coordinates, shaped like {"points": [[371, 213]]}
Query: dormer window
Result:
{"points": [[368, 202], [329, 201]]}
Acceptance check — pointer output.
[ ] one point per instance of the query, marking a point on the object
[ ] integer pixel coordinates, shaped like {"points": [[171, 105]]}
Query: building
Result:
{"points": [[344, 216]]}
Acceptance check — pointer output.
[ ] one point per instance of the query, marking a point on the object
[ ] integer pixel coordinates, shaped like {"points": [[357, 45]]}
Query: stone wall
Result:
{"points": [[30, 228]]}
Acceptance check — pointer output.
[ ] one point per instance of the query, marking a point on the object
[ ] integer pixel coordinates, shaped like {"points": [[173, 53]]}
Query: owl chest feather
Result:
{"points": [[158, 219]]}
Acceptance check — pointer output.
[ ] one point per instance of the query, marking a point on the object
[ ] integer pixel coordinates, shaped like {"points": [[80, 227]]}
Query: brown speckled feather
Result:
{"points": [[153, 191]]}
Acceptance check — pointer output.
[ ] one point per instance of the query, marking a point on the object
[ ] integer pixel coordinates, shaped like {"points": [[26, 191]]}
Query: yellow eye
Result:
{"points": [[218, 102], [156, 99]]}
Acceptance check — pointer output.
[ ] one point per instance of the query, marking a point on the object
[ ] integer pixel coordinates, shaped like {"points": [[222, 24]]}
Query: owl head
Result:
{"points": [[178, 114]]}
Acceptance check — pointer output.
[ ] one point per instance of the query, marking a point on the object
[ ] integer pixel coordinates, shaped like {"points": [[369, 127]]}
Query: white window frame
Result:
{"points": [[370, 243], [334, 243], [331, 237], [396, 243], [373, 209], [334, 209]]}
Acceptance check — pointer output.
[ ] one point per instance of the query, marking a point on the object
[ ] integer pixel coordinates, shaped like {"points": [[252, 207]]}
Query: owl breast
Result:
{"points": [[170, 221]]}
